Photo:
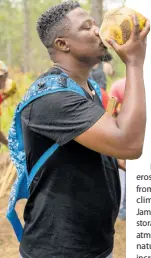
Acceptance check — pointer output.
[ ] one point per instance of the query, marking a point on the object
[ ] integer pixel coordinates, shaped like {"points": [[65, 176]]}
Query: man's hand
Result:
{"points": [[123, 137], [133, 51]]}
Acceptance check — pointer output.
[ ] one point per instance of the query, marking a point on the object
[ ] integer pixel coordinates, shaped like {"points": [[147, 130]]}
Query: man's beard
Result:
{"points": [[103, 58], [106, 57]]}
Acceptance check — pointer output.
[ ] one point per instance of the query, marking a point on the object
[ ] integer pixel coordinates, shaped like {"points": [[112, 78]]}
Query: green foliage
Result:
{"points": [[12, 33]]}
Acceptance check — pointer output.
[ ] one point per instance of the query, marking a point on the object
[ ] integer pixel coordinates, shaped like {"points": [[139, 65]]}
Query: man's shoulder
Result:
{"points": [[54, 101]]}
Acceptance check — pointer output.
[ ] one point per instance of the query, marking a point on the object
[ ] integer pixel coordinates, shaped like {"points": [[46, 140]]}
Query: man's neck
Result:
{"points": [[76, 71]]}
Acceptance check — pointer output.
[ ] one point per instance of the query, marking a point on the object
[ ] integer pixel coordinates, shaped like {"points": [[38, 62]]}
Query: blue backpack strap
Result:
{"points": [[20, 189], [41, 162]]}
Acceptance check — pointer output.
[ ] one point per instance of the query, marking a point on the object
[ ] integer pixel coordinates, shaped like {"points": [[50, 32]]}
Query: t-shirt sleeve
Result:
{"points": [[62, 116]]}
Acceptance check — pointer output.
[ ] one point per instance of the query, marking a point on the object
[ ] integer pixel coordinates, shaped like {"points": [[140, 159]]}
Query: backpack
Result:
{"points": [[49, 84]]}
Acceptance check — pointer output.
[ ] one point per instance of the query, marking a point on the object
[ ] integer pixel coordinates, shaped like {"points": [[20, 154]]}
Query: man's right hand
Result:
{"points": [[133, 51]]}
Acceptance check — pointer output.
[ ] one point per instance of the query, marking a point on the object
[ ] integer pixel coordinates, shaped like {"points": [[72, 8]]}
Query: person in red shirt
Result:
{"points": [[118, 89], [105, 98]]}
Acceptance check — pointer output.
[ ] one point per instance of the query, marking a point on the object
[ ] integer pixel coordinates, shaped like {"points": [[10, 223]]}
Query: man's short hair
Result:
{"points": [[53, 23]]}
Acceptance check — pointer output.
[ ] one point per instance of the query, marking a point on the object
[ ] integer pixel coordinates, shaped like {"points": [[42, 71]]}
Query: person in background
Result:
{"points": [[105, 98], [117, 91], [98, 74], [7, 88], [100, 70]]}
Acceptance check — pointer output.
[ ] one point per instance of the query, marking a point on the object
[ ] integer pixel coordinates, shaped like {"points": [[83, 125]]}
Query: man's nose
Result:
{"points": [[96, 31]]}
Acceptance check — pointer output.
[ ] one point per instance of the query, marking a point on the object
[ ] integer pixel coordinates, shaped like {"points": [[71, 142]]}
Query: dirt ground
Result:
{"points": [[9, 244]]}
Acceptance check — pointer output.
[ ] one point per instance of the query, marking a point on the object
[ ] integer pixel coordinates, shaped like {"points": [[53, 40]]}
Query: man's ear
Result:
{"points": [[61, 45]]}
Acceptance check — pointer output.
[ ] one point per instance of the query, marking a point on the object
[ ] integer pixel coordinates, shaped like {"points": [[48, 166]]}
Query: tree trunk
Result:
{"points": [[97, 11], [26, 46]]}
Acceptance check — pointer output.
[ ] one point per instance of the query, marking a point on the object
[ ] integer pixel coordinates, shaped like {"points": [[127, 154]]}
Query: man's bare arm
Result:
{"points": [[3, 139], [123, 137]]}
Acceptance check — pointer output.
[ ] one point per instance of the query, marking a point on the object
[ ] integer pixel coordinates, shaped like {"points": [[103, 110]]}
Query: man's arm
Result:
{"points": [[123, 137], [3, 139]]}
